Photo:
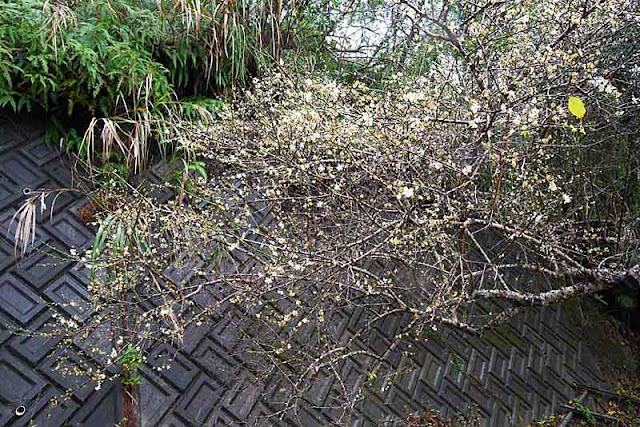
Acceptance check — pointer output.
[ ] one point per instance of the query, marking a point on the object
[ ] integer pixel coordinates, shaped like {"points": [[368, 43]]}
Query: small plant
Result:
{"points": [[130, 360], [457, 363], [584, 411], [199, 168], [626, 301], [183, 179], [195, 108]]}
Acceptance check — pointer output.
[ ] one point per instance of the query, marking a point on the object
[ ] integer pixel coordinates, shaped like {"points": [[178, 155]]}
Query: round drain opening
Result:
{"points": [[20, 410]]}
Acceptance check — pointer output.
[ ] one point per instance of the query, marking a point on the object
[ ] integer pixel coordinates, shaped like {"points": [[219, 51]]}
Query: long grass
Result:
{"points": [[27, 214]]}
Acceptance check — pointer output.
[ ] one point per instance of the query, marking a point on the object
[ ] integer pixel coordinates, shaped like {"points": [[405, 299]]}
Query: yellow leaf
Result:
{"points": [[576, 107]]}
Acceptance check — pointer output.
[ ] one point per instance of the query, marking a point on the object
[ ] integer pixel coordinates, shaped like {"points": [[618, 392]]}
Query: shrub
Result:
{"points": [[129, 60]]}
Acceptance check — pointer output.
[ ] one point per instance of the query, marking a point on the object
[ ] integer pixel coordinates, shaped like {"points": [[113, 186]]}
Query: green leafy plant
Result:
{"points": [[199, 168], [131, 360], [626, 301], [131, 62], [584, 411], [183, 178], [457, 363]]}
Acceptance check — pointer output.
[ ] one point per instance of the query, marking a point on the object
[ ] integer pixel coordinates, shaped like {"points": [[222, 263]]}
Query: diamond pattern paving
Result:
{"points": [[33, 284], [512, 375]]}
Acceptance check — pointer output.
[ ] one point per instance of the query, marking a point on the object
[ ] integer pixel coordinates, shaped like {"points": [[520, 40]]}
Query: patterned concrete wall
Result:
{"points": [[27, 287], [513, 375]]}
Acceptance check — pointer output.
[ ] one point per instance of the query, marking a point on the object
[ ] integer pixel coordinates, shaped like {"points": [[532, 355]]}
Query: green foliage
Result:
{"points": [[95, 57], [129, 59], [195, 108], [199, 168], [584, 411], [68, 139], [626, 301], [184, 178], [99, 54], [131, 360], [457, 363]]}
